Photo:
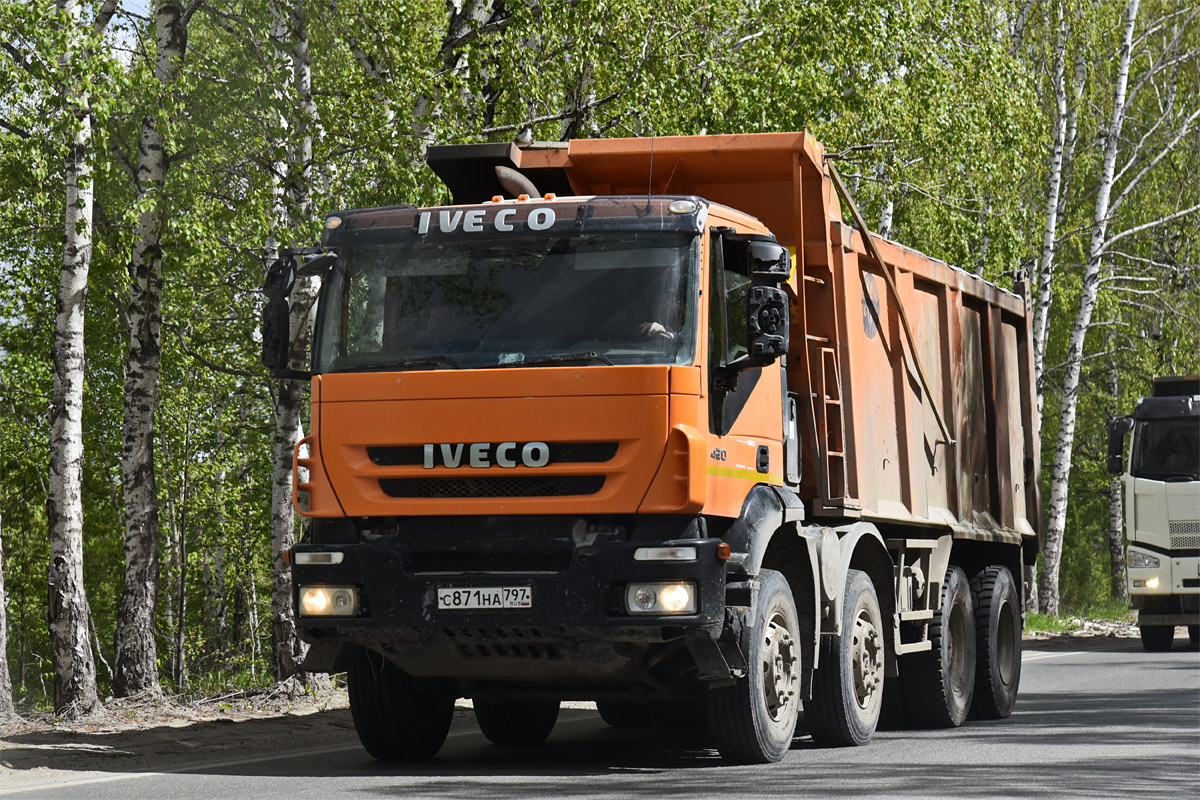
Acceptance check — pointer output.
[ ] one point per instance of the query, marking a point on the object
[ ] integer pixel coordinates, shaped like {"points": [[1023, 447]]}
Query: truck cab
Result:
{"points": [[1161, 488]]}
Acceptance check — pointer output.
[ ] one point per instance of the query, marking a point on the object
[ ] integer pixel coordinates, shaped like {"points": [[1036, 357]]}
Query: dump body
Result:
{"points": [[875, 449], [594, 441], [1162, 507]]}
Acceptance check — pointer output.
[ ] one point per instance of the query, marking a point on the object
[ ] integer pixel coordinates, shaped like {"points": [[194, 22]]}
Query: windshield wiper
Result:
{"points": [[588, 356], [406, 363]]}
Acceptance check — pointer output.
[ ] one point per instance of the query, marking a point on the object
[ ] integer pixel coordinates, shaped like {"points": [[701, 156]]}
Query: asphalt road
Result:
{"points": [[1096, 718]]}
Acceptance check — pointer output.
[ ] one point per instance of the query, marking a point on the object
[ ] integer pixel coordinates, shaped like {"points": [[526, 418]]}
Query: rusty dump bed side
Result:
{"points": [[934, 427]]}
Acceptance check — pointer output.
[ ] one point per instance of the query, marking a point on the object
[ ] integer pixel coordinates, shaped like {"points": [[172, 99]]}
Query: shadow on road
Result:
{"points": [[1148, 738]]}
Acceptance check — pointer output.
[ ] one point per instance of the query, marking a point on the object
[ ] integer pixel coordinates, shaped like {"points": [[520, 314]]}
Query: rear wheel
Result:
{"points": [[1157, 638], [523, 723], [397, 717], [847, 695], [997, 643], [754, 720], [940, 682]]}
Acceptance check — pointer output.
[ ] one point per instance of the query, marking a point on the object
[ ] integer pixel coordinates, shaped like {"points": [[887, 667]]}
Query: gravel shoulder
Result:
{"points": [[142, 735]]}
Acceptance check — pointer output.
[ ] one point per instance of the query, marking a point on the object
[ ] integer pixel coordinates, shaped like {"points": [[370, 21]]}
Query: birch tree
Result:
{"points": [[7, 711], [1175, 121], [74, 667], [292, 187], [136, 668]]}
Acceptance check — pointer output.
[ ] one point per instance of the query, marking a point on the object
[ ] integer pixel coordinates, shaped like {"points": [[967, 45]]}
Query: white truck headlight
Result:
{"points": [[328, 601], [661, 597], [1137, 560]]}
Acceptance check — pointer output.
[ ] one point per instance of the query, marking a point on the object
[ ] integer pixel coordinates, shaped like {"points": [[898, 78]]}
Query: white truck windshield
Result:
{"points": [[1167, 449]]}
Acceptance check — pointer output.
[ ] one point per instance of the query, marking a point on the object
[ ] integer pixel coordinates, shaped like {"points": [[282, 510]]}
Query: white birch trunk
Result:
{"points": [[74, 669], [1048, 594], [1045, 267], [136, 670], [1116, 534], [7, 710], [290, 38]]}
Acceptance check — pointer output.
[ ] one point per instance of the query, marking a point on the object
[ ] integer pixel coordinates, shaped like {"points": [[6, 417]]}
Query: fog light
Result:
{"points": [[328, 601], [1152, 583], [676, 597]]}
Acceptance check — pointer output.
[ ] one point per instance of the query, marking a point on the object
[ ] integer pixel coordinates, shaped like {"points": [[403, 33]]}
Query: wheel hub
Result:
{"points": [[781, 669], [865, 660]]}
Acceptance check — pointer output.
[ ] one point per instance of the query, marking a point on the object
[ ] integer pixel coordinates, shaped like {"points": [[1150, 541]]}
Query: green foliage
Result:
{"points": [[940, 110]]}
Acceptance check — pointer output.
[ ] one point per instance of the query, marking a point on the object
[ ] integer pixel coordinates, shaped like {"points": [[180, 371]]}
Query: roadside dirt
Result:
{"points": [[161, 735]]}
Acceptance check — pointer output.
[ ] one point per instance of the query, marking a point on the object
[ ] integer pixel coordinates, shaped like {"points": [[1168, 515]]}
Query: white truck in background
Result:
{"points": [[1162, 508]]}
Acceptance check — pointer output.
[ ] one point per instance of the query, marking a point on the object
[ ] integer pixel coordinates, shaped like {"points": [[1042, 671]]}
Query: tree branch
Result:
{"points": [[1146, 226]]}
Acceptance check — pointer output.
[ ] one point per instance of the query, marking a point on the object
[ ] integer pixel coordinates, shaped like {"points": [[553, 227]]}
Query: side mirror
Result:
{"points": [[276, 341], [1117, 429], [767, 323], [767, 311]]}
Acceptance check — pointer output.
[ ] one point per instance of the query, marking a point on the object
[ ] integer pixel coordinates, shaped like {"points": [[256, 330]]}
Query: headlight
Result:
{"points": [[1137, 560], [328, 601], [661, 598]]}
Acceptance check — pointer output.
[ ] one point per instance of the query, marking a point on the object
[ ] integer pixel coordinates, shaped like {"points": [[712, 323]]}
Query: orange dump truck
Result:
{"points": [[648, 422]]}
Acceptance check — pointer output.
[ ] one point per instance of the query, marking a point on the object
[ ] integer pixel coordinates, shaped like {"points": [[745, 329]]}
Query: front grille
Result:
{"points": [[1185, 534], [508, 486], [453, 561], [502, 643], [1191, 583], [413, 455]]}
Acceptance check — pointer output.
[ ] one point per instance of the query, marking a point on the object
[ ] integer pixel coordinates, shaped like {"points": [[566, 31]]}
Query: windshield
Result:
{"points": [[1167, 449], [413, 302]]}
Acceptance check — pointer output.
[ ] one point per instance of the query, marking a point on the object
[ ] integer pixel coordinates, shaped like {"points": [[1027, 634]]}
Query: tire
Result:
{"points": [[847, 692], [1194, 634], [622, 714], [753, 720], [516, 724], [1157, 638], [940, 682], [397, 718], [997, 643]]}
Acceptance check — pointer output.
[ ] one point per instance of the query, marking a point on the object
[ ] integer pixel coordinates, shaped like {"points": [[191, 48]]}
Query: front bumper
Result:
{"points": [[1174, 575], [577, 629]]}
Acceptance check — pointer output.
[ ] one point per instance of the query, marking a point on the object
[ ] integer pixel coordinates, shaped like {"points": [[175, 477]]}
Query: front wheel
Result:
{"points": [[1157, 638], [847, 695], [754, 720], [524, 723], [997, 643], [397, 718]]}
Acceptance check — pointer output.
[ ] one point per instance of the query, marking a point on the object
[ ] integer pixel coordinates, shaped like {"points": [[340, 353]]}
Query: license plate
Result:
{"points": [[456, 598]]}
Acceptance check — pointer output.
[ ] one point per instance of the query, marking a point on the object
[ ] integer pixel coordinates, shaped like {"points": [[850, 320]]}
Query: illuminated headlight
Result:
{"points": [[328, 601], [661, 598], [1138, 560]]}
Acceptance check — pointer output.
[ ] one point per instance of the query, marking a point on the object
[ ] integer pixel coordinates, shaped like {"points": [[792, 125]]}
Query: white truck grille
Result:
{"points": [[1185, 534]]}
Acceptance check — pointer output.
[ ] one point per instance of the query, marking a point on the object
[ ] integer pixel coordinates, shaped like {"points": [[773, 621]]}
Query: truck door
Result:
{"points": [[745, 419]]}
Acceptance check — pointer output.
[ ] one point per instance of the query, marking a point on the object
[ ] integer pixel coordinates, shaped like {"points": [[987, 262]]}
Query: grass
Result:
{"points": [[1068, 618], [1036, 622]]}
